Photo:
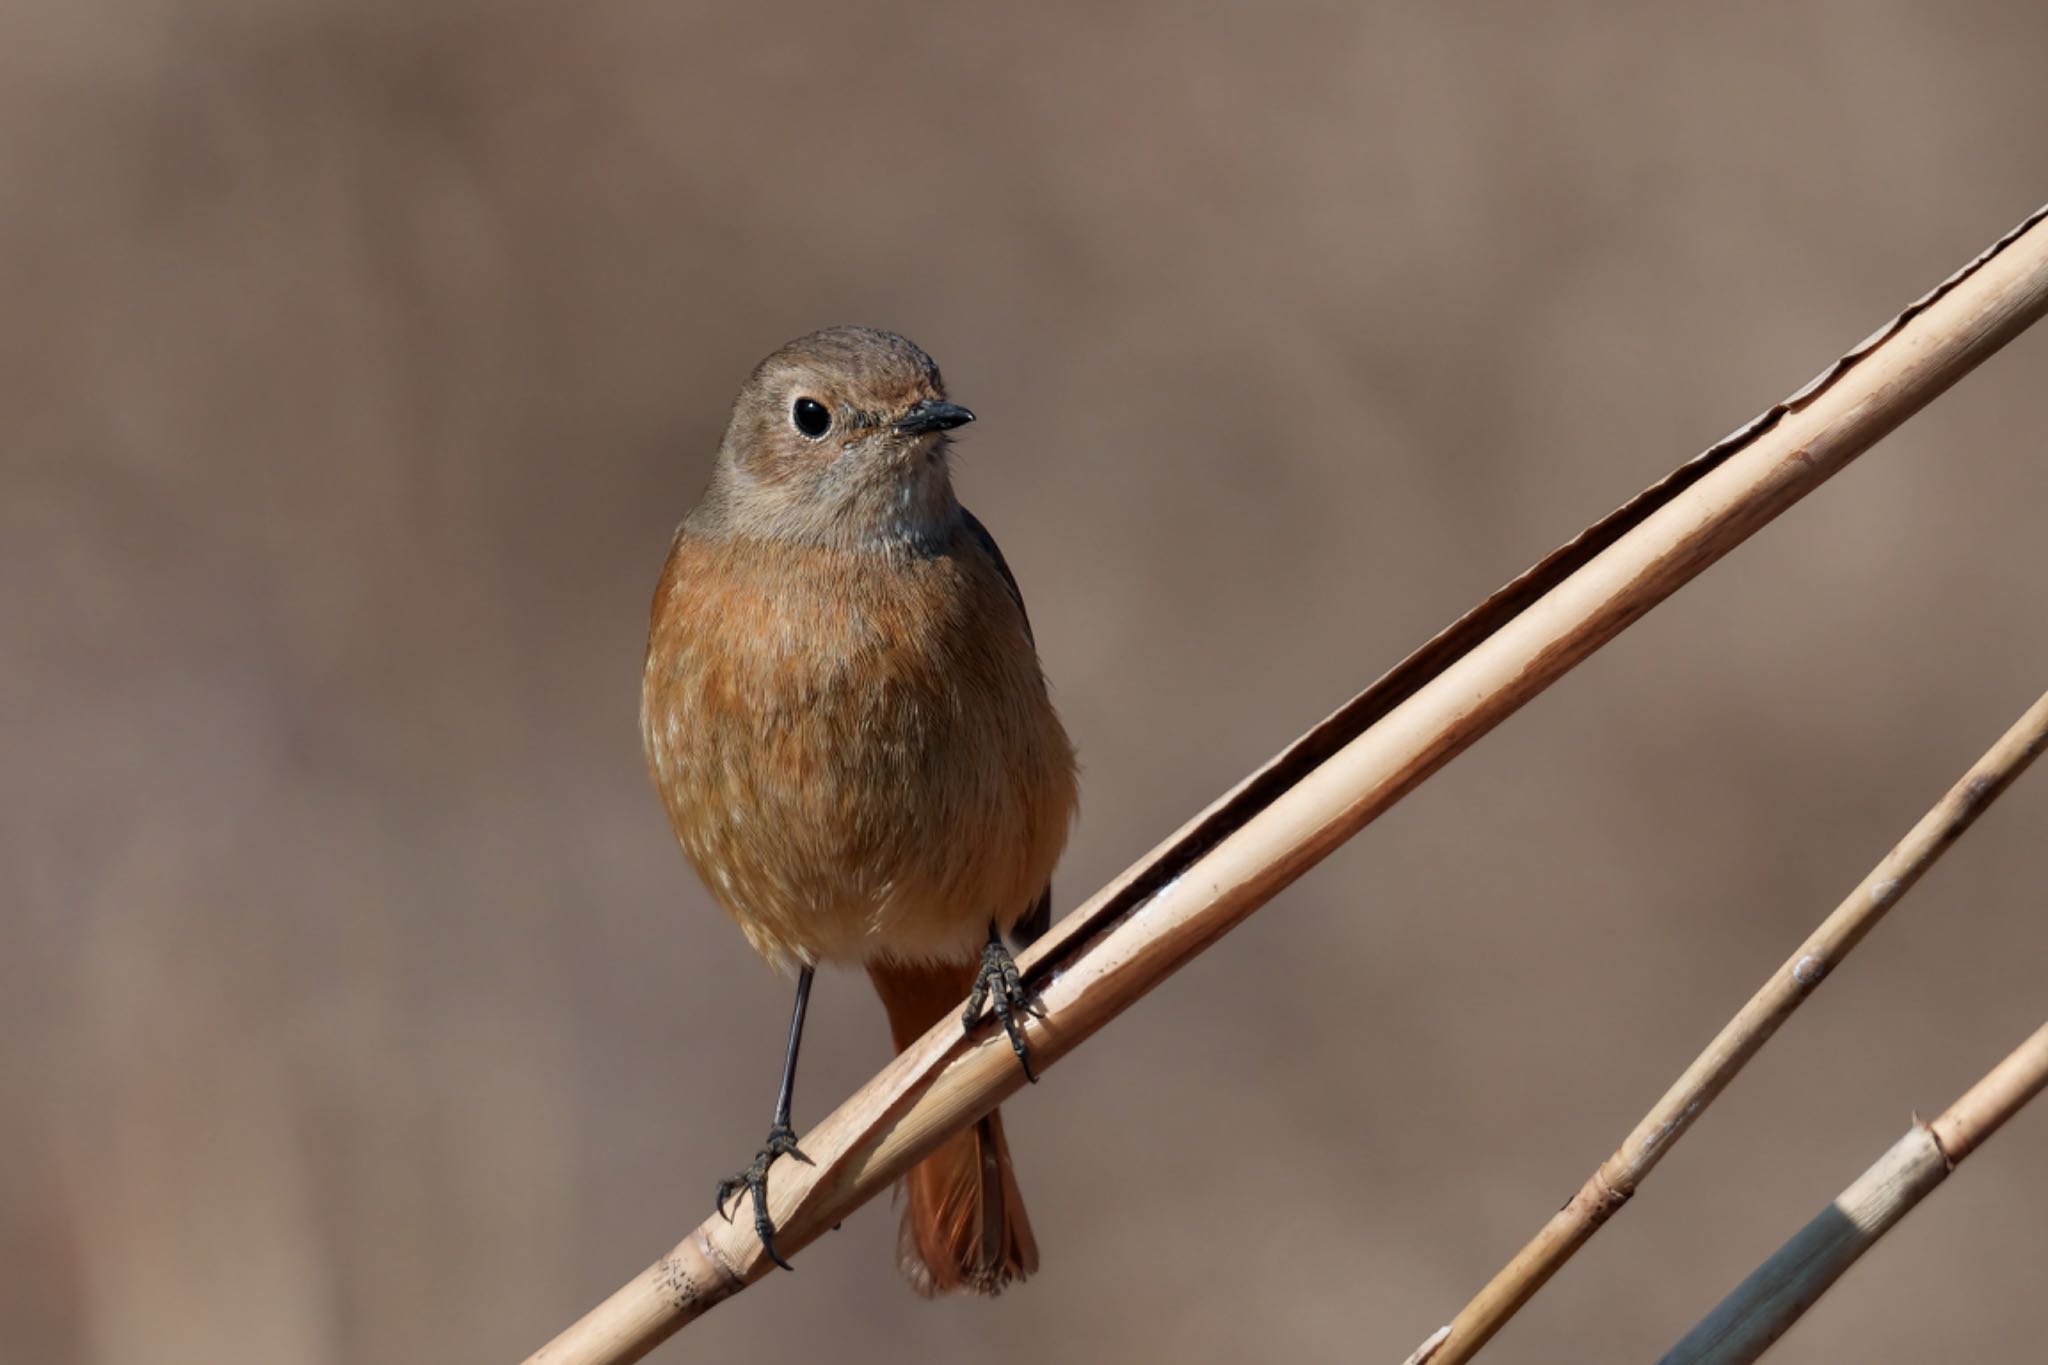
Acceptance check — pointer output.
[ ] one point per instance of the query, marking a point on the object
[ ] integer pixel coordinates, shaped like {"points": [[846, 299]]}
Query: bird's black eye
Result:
{"points": [[812, 418]]}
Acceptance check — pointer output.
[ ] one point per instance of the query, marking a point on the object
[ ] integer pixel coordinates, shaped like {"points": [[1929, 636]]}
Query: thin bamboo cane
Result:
{"points": [[1283, 819], [1777, 1293], [1610, 1186]]}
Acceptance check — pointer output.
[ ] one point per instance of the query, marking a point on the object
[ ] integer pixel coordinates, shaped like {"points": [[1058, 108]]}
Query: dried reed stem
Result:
{"points": [[1610, 1186], [1283, 819], [1761, 1309]]}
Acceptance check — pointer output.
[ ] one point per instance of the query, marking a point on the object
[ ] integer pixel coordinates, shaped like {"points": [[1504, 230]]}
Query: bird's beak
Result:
{"points": [[932, 415]]}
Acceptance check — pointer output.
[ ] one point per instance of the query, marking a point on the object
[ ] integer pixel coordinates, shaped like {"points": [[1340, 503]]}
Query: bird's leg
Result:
{"points": [[998, 984], [781, 1137]]}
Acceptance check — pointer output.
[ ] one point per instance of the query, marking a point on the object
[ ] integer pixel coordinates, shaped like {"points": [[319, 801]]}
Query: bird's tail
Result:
{"points": [[963, 1220]]}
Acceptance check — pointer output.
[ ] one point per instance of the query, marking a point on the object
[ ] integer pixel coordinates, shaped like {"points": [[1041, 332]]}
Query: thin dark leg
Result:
{"points": [[796, 1040], [781, 1138], [998, 984]]}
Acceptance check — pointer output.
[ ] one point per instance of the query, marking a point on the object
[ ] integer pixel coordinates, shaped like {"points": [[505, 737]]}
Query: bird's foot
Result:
{"points": [[998, 984], [754, 1181]]}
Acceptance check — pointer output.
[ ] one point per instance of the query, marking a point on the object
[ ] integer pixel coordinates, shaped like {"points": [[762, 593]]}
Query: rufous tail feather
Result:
{"points": [[963, 1221]]}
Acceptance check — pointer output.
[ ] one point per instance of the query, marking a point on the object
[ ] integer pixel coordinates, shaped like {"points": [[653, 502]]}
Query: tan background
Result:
{"points": [[358, 359]]}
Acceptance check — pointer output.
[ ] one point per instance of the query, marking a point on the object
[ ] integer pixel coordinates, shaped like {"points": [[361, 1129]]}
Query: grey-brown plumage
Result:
{"points": [[845, 716]]}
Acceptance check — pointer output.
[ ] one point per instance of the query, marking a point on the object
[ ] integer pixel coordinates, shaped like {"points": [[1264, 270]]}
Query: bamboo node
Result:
{"points": [[731, 1278], [1948, 1163], [1600, 1198]]}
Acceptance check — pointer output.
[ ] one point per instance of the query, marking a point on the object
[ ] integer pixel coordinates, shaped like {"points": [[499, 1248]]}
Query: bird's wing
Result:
{"points": [[1032, 927], [1035, 922], [995, 552]]}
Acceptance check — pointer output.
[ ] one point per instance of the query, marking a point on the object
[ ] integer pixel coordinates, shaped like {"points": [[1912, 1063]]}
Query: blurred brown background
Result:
{"points": [[358, 360]]}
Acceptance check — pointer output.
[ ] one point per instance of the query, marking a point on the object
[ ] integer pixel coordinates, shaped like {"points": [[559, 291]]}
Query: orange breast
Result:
{"points": [[855, 747]]}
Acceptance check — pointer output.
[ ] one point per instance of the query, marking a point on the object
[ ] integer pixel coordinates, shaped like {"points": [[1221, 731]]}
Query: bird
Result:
{"points": [[845, 715]]}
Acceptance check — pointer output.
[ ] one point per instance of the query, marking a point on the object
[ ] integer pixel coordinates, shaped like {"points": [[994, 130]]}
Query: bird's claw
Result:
{"points": [[754, 1181], [998, 984]]}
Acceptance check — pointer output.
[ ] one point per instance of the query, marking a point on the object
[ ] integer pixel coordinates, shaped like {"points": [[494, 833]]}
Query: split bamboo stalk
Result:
{"points": [[1284, 818], [1777, 1293], [1616, 1179]]}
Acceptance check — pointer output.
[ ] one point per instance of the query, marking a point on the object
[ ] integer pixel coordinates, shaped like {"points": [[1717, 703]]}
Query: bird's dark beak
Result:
{"points": [[932, 415]]}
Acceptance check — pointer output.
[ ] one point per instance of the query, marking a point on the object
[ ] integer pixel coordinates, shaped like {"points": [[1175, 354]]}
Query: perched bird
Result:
{"points": [[845, 716]]}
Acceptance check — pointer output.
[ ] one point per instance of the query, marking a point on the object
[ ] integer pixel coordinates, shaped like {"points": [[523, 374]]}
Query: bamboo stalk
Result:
{"points": [[1284, 818], [1764, 1306], [1616, 1179]]}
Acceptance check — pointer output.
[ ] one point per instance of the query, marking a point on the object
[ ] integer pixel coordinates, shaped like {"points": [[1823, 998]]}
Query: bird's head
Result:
{"points": [[840, 438]]}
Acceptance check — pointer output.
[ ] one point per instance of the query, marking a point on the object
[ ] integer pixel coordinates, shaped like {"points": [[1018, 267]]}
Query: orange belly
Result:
{"points": [[855, 747]]}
